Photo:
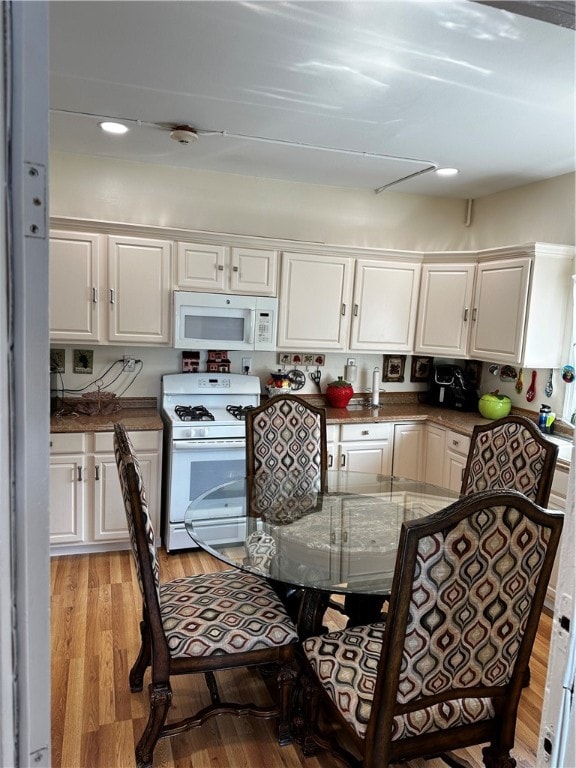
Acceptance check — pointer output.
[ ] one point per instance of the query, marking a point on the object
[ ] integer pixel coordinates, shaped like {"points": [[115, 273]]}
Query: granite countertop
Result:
{"points": [[137, 413]]}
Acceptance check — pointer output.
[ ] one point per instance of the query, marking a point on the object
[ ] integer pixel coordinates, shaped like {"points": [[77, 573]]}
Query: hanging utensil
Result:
{"points": [[531, 393], [315, 376], [519, 382], [549, 388]]}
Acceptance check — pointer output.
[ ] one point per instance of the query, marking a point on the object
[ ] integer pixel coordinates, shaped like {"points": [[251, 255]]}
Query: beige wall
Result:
{"points": [[98, 188]]}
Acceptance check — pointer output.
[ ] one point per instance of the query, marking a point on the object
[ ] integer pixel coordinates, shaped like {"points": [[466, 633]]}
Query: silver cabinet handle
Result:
{"points": [[345, 536], [79, 474], [343, 460], [455, 442], [235, 269], [474, 313], [355, 310], [343, 309], [97, 472], [112, 296], [365, 432], [465, 314], [220, 267], [94, 296], [330, 461]]}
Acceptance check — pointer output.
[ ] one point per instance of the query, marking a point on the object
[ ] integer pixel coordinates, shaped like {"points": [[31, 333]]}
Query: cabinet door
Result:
{"points": [[454, 465], [314, 304], [408, 450], [109, 514], [139, 290], [435, 448], [499, 312], [371, 456], [74, 287], [201, 267], [385, 303], [67, 499], [253, 271], [444, 310]]}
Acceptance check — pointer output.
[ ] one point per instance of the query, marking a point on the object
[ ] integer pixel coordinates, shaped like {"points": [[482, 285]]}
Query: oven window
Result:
{"points": [[205, 475]]}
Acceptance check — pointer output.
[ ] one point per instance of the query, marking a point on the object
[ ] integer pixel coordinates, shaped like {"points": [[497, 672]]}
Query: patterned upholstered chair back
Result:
{"points": [[469, 587], [127, 464], [284, 434], [446, 669], [510, 453]]}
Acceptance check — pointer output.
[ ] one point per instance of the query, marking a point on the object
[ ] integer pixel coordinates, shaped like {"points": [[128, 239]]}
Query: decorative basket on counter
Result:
{"points": [[98, 403]]}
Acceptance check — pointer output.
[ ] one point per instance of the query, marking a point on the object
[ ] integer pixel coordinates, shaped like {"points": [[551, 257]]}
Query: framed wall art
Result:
{"points": [[393, 368], [421, 367]]}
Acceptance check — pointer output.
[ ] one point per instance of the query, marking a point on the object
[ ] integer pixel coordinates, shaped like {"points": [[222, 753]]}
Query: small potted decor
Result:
{"points": [[278, 384], [494, 406], [338, 393]]}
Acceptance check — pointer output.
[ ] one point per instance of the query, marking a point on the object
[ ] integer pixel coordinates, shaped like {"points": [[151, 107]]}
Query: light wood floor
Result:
{"points": [[96, 720]]}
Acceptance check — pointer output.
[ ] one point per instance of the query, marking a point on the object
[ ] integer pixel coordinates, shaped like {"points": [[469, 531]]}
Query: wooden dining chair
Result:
{"points": [[199, 624], [445, 671], [510, 453]]}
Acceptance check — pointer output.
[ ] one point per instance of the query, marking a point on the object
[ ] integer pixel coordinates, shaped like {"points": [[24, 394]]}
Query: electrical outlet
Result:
{"points": [[246, 364], [351, 361], [129, 364]]}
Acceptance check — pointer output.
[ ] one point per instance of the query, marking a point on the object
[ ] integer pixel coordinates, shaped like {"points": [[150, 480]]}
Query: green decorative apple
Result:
{"points": [[494, 406]]}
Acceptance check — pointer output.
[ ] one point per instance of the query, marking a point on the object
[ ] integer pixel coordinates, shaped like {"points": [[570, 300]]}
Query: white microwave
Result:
{"points": [[223, 321]]}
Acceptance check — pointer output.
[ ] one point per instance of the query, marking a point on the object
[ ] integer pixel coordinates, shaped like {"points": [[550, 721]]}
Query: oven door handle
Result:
{"points": [[201, 444]]}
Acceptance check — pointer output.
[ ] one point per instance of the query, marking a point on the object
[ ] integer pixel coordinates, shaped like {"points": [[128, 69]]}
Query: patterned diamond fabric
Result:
{"points": [[220, 613], [506, 457], [470, 599], [287, 436]]}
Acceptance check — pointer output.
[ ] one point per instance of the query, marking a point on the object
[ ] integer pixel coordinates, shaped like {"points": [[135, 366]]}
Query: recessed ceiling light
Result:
{"points": [[446, 171], [111, 127]]}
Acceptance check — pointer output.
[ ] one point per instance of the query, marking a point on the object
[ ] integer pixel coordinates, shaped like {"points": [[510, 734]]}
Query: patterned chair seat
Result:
{"points": [[218, 614], [346, 664]]}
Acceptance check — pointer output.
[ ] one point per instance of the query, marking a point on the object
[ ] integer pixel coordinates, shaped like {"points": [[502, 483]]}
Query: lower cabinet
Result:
{"points": [[86, 505], [408, 450], [361, 447], [557, 501], [445, 457]]}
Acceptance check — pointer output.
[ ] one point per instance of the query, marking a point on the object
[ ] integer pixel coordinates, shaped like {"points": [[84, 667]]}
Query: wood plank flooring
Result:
{"points": [[96, 720]]}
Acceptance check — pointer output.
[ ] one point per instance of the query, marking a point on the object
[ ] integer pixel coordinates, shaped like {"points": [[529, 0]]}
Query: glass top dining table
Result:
{"points": [[330, 533]]}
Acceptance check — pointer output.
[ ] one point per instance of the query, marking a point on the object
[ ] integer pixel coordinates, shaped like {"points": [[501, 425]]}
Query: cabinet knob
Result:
{"points": [[343, 460], [365, 432], [343, 309], [236, 269], [220, 267], [455, 442], [465, 314], [474, 313], [94, 296], [97, 472], [112, 296], [79, 474], [355, 310], [330, 461]]}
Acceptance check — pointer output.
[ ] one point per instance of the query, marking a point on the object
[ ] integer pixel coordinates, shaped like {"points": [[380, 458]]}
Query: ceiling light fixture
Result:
{"points": [[112, 127], [446, 171]]}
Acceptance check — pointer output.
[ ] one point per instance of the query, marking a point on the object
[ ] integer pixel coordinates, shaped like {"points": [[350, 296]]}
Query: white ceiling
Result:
{"points": [[396, 86]]}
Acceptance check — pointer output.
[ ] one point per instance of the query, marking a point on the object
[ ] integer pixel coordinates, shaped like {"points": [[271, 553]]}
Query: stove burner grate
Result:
{"points": [[239, 411], [193, 413]]}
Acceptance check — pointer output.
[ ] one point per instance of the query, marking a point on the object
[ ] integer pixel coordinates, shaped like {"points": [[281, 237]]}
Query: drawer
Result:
{"points": [[67, 442], [367, 431], [457, 443], [142, 441]]}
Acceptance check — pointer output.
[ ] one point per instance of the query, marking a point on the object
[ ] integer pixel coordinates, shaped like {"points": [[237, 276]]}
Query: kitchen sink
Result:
{"points": [[564, 444]]}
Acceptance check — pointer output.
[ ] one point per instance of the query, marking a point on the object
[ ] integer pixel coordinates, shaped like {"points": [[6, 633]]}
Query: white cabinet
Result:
{"points": [[499, 313], [457, 447], [86, 506], [557, 501], [408, 450], [434, 450], [223, 269], [445, 309], [67, 488], [384, 307], [314, 306], [75, 265], [113, 290], [332, 302], [363, 448], [139, 283]]}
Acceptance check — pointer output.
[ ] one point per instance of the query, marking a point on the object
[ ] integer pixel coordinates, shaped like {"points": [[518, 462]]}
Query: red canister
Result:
{"points": [[338, 393]]}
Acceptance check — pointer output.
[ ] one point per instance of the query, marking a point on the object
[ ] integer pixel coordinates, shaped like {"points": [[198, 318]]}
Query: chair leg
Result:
{"points": [[496, 758], [310, 704], [286, 679], [160, 699], [143, 660]]}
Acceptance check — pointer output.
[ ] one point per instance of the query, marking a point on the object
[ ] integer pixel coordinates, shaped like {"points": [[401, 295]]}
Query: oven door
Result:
{"points": [[198, 466]]}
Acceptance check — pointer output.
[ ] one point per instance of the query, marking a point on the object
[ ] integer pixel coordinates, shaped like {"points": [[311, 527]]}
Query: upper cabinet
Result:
{"points": [[444, 310], [516, 313], [385, 303], [336, 302], [314, 307], [223, 269], [109, 290]]}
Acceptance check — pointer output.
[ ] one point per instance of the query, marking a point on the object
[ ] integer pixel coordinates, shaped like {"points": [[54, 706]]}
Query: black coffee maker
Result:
{"points": [[450, 388]]}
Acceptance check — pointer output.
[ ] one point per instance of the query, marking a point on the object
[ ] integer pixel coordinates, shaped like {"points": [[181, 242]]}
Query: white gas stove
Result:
{"points": [[204, 446]]}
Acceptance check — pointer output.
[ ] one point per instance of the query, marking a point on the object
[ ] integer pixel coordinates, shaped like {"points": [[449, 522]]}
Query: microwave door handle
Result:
{"points": [[251, 327]]}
